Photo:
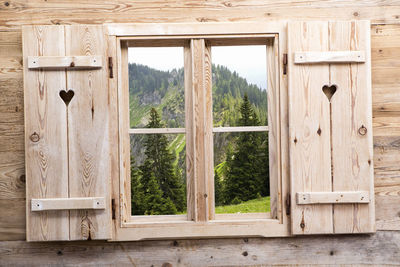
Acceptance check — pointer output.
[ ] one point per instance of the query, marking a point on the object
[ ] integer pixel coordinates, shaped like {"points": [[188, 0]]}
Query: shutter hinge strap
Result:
{"points": [[284, 62], [113, 208], [110, 67], [287, 202]]}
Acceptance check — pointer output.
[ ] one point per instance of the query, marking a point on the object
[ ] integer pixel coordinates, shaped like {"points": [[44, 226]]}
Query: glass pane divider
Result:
{"points": [[157, 131], [240, 129]]}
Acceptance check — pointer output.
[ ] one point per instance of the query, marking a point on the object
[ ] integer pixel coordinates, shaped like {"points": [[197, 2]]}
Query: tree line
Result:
{"points": [[159, 188]]}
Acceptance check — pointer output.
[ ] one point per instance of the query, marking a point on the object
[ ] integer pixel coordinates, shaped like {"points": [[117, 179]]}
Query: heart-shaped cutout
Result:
{"points": [[329, 91], [67, 96]]}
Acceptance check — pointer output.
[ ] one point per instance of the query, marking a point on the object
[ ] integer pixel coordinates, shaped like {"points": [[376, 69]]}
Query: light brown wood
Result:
{"points": [[240, 129], [329, 57], [68, 203], [72, 62], [352, 151], [46, 151], [350, 125], [201, 133], [342, 250], [157, 131], [88, 134], [305, 198], [309, 128]]}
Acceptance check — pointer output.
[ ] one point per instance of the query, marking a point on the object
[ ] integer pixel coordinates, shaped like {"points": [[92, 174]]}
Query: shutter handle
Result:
{"points": [[34, 137], [362, 130]]}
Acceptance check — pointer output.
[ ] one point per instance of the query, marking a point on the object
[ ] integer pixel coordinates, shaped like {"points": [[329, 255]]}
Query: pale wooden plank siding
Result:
{"points": [[309, 128], [88, 133], [352, 155], [46, 154]]}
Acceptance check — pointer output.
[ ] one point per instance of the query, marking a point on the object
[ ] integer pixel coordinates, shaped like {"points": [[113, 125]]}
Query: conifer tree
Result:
{"points": [[137, 195], [243, 181], [219, 197], [153, 201], [160, 163]]}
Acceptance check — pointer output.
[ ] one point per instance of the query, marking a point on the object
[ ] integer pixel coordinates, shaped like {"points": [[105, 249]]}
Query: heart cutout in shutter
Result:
{"points": [[67, 96], [329, 91]]}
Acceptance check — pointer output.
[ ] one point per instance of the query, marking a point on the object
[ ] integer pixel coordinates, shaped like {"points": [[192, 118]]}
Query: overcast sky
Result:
{"points": [[248, 61]]}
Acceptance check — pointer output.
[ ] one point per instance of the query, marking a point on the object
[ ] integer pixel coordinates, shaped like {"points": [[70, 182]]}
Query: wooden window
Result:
{"points": [[77, 126], [201, 219]]}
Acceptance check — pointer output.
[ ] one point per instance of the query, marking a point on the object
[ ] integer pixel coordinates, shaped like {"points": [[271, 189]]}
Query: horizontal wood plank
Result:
{"points": [[240, 129], [303, 198], [157, 131], [329, 57], [379, 249], [70, 62], [77, 203]]}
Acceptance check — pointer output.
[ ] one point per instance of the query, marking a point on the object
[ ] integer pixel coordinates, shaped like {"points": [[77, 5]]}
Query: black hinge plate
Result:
{"points": [[284, 62], [110, 67], [287, 202], [113, 208]]}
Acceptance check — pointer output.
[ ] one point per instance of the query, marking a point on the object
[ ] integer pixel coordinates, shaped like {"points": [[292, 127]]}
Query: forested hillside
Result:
{"points": [[157, 100]]}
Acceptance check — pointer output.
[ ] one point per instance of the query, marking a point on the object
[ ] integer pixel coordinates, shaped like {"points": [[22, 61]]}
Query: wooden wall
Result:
{"points": [[382, 248]]}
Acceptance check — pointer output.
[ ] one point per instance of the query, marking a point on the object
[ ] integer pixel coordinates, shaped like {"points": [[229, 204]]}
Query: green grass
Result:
{"points": [[176, 146], [254, 205]]}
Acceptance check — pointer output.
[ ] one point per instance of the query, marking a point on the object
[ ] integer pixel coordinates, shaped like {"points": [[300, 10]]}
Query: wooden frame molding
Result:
{"points": [[201, 220]]}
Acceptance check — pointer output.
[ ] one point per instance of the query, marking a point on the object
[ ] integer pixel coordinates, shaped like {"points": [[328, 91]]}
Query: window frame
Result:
{"points": [[222, 225]]}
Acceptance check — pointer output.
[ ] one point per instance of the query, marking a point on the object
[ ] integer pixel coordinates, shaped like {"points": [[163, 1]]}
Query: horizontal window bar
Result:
{"points": [[240, 129], [157, 131]]}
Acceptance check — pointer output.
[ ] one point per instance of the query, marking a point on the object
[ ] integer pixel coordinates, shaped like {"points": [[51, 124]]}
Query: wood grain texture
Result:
{"points": [[329, 57], [46, 151], [15, 13], [73, 62], [309, 128], [380, 249], [386, 102], [352, 153], [88, 134]]}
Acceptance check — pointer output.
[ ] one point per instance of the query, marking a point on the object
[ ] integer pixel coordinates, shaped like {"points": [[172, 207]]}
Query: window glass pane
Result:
{"points": [[156, 80], [241, 172], [239, 72], [158, 174]]}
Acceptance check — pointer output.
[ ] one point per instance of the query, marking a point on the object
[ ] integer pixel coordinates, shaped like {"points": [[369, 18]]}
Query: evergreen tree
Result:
{"points": [[160, 163], [244, 181], [218, 189], [137, 195], [153, 202]]}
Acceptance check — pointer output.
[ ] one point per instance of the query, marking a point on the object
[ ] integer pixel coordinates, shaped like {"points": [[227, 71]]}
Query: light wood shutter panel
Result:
{"points": [[67, 146], [331, 140]]}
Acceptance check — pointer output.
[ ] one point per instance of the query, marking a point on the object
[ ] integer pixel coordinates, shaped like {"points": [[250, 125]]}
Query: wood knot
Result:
{"points": [[295, 140], [34, 137], [362, 130], [245, 253], [72, 64], [319, 131], [166, 264], [6, 3]]}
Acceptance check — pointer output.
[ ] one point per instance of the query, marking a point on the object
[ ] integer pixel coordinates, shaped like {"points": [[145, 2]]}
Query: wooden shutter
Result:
{"points": [[67, 145], [331, 158]]}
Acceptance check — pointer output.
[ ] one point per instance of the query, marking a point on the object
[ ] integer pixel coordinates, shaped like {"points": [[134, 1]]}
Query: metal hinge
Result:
{"points": [[284, 62], [110, 67], [287, 202], [113, 208]]}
